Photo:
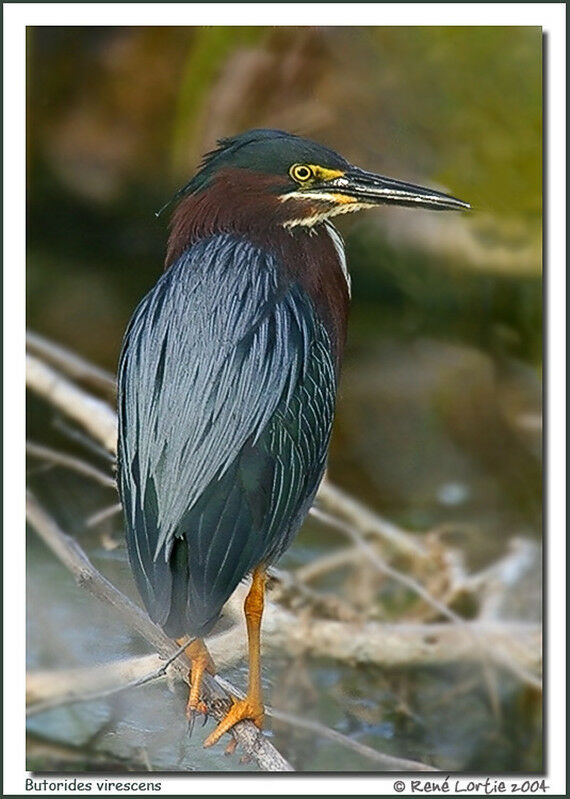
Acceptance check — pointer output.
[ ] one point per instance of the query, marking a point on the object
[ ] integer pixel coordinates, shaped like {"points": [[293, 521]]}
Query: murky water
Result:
{"points": [[450, 717]]}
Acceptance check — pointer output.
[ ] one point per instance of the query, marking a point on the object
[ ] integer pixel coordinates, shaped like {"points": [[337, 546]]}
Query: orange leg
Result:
{"points": [[252, 706], [201, 661]]}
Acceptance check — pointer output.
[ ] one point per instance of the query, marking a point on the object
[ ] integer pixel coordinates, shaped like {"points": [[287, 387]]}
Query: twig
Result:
{"points": [[387, 762], [70, 698], [74, 559], [100, 422], [70, 363], [337, 501], [57, 686], [47, 685], [73, 433], [226, 648], [328, 603], [510, 570], [357, 644], [348, 556], [384, 568], [94, 415], [413, 585], [393, 644], [101, 515], [69, 462], [79, 677]]}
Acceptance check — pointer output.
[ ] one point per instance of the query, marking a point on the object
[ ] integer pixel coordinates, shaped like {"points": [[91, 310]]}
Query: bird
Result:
{"points": [[228, 378]]}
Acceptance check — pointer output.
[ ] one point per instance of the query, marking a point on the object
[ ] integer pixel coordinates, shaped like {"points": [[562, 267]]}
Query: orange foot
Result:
{"points": [[200, 662], [240, 710], [198, 707]]}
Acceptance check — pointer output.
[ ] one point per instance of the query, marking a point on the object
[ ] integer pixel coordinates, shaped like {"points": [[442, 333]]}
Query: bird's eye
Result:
{"points": [[301, 172]]}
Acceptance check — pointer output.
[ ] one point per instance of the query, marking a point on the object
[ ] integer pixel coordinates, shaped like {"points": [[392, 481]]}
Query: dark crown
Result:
{"points": [[262, 150]]}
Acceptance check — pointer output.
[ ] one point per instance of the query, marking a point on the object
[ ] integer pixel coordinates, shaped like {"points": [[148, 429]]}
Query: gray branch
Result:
{"points": [[86, 575]]}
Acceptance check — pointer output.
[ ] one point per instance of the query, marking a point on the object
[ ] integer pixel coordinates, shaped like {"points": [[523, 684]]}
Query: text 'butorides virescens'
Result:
{"points": [[228, 378]]}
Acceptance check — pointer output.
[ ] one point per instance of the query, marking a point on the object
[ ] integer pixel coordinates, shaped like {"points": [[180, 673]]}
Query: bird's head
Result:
{"points": [[261, 179], [309, 181]]}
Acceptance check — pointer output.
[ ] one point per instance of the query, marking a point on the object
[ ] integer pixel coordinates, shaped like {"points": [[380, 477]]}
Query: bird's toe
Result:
{"points": [[241, 710], [193, 710]]}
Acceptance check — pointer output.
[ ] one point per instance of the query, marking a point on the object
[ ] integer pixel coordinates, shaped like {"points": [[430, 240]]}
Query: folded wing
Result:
{"points": [[227, 387]]}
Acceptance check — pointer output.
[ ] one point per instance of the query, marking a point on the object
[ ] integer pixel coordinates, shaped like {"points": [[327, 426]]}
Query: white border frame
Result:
{"points": [[551, 17]]}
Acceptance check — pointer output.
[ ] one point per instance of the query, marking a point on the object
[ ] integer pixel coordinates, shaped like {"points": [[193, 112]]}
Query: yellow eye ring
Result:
{"points": [[301, 173]]}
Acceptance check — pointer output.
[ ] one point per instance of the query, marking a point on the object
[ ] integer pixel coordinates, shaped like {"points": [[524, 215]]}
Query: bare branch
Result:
{"points": [[102, 515], [69, 462], [394, 644], [513, 645], [57, 686], [69, 697], [506, 659], [70, 363], [337, 501], [47, 690], [371, 642], [383, 567], [94, 415], [348, 556], [73, 558], [388, 762]]}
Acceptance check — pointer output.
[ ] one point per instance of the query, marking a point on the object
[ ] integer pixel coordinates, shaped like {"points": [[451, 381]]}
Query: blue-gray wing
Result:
{"points": [[227, 386]]}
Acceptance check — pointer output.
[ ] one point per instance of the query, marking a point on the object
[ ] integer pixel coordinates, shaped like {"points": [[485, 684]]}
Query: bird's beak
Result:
{"points": [[366, 188]]}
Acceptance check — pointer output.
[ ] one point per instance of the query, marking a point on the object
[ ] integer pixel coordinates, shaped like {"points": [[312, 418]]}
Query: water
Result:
{"points": [[443, 716]]}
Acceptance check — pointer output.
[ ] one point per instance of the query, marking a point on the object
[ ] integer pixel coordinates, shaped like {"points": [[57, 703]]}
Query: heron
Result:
{"points": [[228, 379]]}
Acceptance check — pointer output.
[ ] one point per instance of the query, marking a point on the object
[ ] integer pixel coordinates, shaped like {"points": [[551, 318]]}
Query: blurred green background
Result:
{"points": [[439, 419]]}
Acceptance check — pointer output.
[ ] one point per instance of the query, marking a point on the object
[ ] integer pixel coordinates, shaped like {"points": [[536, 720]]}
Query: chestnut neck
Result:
{"points": [[247, 204], [236, 201]]}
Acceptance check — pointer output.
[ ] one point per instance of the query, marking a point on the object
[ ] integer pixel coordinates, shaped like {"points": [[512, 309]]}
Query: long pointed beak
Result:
{"points": [[371, 189]]}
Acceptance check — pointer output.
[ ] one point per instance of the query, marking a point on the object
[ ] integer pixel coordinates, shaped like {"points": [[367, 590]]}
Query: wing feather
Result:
{"points": [[227, 388]]}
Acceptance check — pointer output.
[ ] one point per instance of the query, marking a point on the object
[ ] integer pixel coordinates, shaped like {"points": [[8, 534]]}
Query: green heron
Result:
{"points": [[228, 378]]}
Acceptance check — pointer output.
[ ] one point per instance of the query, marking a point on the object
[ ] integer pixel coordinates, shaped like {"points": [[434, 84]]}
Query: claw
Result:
{"points": [[192, 712], [240, 710], [200, 662], [231, 747]]}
